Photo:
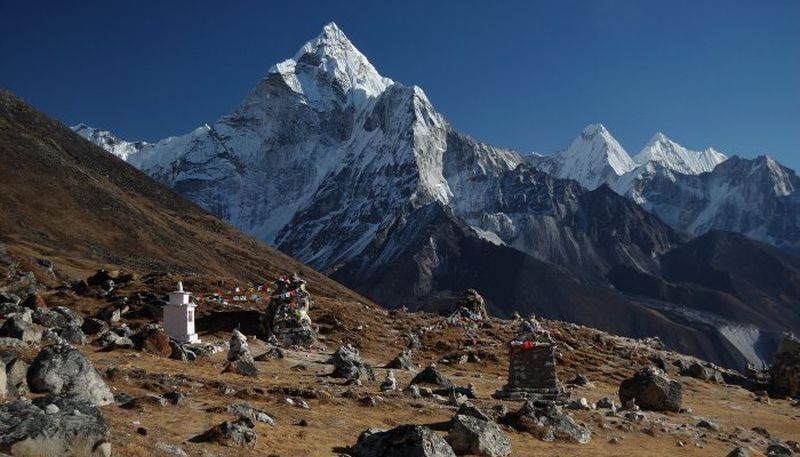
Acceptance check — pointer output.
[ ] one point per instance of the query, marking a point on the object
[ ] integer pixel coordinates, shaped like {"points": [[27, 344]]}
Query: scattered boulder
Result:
{"points": [[579, 380], [240, 432], [652, 390], [94, 326], [606, 403], [13, 299], [54, 425], [172, 450], [705, 373], [21, 327], [347, 364], [785, 370], [16, 371], [547, 421], [239, 359], [403, 441], [745, 452], [3, 380], [777, 449], [469, 435], [152, 339], [254, 414], [63, 369], [143, 401], [34, 301], [468, 409], [71, 334], [273, 352], [431, 376], [401, 362]]}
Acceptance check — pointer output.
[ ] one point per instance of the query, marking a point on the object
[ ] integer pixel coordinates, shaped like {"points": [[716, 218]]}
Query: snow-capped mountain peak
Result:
{"points": [[593, 158], [108, 141], [672, 156], [331, 57]]}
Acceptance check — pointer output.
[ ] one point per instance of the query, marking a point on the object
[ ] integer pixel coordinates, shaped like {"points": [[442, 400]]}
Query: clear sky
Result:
{"points": [[523, 74]]}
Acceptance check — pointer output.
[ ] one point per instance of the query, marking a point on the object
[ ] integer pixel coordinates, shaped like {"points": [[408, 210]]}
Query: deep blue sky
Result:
{"points": [[527, 74]]}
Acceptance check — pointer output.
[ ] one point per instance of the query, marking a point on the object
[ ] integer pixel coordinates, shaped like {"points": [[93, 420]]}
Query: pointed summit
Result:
{"points": [[593, 158], [331, 58], [671, 155]]}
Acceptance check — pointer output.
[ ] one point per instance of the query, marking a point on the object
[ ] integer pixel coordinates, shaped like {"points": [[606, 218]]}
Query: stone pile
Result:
{"points": [[287, 317], [532, 366], [785, 370], [347, 364], [240, 359]]}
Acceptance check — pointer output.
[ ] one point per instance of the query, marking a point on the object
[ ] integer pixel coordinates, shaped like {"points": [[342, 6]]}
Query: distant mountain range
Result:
{"points": [[360, 177]]}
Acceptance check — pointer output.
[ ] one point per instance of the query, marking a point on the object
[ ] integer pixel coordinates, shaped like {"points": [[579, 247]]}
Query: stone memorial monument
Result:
{"points": [[532, 366]]}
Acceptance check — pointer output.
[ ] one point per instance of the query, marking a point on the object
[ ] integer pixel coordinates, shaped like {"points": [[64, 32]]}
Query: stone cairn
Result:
{"points": [[287, 318], [532, 368], [785, 371]]}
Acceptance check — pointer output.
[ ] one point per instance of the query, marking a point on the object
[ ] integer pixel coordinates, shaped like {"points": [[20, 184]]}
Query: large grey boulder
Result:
{"points": [[651, 389], [403, 441], [347, 364], [63, 369], [53, 426], [547, 421], [469, 435]]}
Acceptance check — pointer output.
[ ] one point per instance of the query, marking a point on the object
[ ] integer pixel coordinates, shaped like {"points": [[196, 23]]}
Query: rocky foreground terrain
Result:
{"points": [[88, 373]]}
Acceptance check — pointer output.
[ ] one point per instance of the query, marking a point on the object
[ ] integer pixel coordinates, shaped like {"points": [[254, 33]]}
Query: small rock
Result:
{"points": [[430, 375], [238, 433]]}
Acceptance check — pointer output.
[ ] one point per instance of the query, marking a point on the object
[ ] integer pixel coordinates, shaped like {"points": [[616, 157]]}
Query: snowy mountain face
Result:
{"points": [[105, 139], [672, 156], [757, 198], [593, 158], [360, 177]]}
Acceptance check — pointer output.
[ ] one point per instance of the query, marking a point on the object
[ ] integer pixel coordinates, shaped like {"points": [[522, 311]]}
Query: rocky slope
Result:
{"points": [[68, 202]]}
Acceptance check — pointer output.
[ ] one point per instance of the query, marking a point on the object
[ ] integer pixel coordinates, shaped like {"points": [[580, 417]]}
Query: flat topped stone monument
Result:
{"points": [[532, 368], [179, 315]]}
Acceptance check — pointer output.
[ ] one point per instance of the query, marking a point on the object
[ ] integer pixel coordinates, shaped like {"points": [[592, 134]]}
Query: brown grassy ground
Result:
{"points": [[336, 417]]}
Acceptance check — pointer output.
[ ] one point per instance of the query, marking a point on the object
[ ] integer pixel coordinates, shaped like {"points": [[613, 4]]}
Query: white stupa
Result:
{"points": [[179, 316]]}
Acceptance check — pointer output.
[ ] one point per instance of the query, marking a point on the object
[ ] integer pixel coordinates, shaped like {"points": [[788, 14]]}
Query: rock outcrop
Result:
{"points": [[54, 425], [547, 421], [240, 432], [651, 389], [347, 364], [403, 441], [473, 436], [61, 369]]}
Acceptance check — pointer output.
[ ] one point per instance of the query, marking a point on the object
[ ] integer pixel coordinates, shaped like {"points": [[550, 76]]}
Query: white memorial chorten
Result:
{"points": [[179, 316]]}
